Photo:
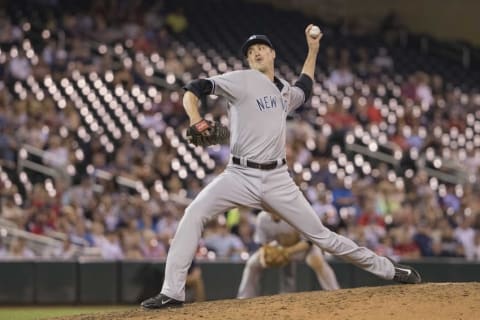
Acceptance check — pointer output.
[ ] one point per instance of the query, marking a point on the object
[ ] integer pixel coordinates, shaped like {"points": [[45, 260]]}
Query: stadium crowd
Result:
{"points": [[406, 218]]}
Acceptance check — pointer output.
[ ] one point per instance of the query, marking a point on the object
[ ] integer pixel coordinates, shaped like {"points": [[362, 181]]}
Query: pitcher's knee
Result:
{"points": [[318, 233], [196, 213]]}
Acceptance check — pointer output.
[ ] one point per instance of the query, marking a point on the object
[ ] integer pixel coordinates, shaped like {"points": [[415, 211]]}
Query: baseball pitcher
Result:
{"points": [[257, 175], [282, 244]]}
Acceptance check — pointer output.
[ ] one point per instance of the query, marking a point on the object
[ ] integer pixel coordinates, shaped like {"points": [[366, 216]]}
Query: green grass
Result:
{"points": [[39, 312]]}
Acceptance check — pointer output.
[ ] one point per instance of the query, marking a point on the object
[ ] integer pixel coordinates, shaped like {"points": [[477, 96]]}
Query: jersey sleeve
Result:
{"points": [[230, 85], [297, 98]]}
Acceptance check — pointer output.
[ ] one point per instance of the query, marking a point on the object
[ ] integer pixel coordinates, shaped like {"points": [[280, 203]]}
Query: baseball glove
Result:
{"points": [[273, 256], [206, 133]]}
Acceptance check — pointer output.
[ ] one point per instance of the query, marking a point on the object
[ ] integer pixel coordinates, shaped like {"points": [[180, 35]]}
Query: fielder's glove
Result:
{"points": [[206, 133], [273, 256]]}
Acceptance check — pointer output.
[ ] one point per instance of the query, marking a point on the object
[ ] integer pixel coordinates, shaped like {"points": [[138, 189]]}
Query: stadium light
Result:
{"points": [[349, 168], [297, 167], [182, 174], [200, 173], [373, 146], [109, 147], [366, 139], [108, 98], [358, 160]]}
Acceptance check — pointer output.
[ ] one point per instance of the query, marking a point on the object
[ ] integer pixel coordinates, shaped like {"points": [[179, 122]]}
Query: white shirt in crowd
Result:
{"points": [[466, 236]]}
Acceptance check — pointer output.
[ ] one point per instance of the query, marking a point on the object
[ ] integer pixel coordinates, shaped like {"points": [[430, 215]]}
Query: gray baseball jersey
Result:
{"points": [[258, 109]]}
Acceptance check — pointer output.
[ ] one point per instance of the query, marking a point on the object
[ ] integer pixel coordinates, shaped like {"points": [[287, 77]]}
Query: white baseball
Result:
{"points": [[314, 31]]}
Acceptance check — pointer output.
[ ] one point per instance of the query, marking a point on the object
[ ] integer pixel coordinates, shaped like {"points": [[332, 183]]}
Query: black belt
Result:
{"points": [[262, 166]]}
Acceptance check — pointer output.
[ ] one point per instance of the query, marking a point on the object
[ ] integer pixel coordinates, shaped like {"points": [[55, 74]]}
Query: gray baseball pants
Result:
{"points": [[271, 190]]}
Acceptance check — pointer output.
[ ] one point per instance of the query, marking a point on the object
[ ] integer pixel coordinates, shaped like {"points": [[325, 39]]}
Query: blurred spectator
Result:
{"points": [[404, 245], [3, 249], [342, 76], [163, 39], [177, 20], [223, 243], [123, 77], [33, 133], [465, 235], [173, 64], [339, 118], [385, 247], [423, 90], [10, 210], [131, 240], [167, 225], [450, 200], [8, 145], [472, 161], [110, 246], [477, 246], [383, 61], [409, 88], [56, 154], [369, 214], [194, 188], [362, 66], [423, 239], [82, 194], [152, 248], [18, 250], [445, 244], [245, 233], [66, 251], [19, 67], [151, 119], [326, 211], [194, 285], [41, 221], [343, 198]]}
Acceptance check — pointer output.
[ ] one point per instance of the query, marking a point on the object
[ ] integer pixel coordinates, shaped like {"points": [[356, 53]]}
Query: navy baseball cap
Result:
{"points": [[256, 39]]}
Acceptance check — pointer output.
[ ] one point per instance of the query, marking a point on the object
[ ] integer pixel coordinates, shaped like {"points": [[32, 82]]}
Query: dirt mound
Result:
{"points": [[406, 302]]}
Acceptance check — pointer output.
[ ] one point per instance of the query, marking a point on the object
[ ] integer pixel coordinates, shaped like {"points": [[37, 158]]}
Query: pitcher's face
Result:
{"points": [[260, 57]]}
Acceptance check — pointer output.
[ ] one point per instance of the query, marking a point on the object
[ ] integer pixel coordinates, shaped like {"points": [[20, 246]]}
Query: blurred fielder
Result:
{"points": [[281, 245]]}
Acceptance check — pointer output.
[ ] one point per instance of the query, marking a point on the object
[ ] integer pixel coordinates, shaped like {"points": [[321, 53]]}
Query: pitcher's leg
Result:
{"points": [[284, 197], [250, 277], [225, 192], [182, 250], [325, 275]]}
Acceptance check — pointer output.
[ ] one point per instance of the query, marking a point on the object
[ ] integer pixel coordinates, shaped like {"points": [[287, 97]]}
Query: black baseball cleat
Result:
{"points": [[405, 274], [161, 301]]}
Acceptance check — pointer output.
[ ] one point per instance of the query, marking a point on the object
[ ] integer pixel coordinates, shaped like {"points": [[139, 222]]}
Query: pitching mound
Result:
{"points": [[405, 302]]}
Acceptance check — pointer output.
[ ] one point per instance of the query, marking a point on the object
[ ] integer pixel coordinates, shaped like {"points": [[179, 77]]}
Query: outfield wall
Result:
{"points": [[130, 282]]}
